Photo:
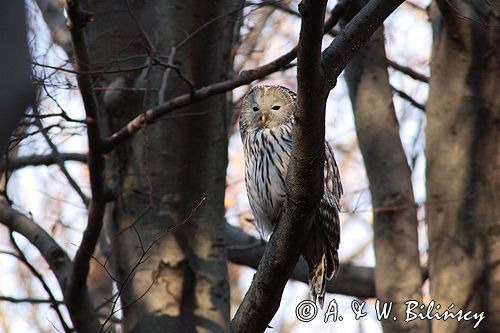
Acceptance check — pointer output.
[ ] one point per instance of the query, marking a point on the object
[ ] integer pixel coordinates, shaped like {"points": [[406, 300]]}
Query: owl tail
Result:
{"points": [[320, 258]]}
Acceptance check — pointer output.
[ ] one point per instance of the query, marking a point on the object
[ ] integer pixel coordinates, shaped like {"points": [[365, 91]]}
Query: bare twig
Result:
{"points": [[407, 97], [408, 71], [91, 72], [28, 300], [39, 160], [166, 74], [60, 162]]}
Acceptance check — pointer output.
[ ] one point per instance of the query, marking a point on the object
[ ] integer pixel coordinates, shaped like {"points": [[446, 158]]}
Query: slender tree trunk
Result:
{"points": [[463, 163], [397, 273], [171, 174]]}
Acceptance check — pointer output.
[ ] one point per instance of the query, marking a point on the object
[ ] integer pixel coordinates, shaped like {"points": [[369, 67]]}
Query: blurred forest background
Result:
{"points": [[414, 122]]}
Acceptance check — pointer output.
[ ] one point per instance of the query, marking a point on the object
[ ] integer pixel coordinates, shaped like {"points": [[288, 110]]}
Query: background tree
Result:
{"points": [[133, 229]]}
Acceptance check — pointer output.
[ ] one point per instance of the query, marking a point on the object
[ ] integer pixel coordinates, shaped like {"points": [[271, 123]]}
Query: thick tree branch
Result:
{"points": [[39, 160], [354, 35], [77, 286], [83, 317], [304, 177], [304, 181], [244, 249]]}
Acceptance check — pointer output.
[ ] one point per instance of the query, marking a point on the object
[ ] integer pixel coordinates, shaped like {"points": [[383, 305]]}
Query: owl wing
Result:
{"points": [[328, 212], [321, 250]]}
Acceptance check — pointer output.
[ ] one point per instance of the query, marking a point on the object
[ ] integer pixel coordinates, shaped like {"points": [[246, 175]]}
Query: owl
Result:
{"points": [[266, 123]]}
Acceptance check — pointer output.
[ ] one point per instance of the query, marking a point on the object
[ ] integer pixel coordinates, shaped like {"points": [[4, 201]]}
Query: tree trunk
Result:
{"points": [[172, 174], [463, 163], [397, 273]]}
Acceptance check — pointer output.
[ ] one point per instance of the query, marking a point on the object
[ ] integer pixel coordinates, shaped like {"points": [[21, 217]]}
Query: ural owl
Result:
{"points": [[266, 123]]}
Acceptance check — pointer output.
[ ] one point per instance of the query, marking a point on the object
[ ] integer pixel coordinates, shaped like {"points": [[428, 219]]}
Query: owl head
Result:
{"points": [[266, 107]]}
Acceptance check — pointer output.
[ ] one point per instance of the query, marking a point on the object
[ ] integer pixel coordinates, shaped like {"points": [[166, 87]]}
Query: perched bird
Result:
{"points": [[266, 123]]}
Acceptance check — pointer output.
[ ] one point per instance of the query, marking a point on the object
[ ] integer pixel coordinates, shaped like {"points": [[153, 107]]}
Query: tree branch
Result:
{"points": [[77, 286], [39, 160], [60, 162], [304, 183], [44, 284], [244, 249], [305, 172], [246, 77], [410, 99], [357, 33], [408, 71], [27, 300], [83, 316]]}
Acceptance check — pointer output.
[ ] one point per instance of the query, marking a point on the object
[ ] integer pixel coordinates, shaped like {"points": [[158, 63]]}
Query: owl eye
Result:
{"points": [[276, 107], [255, 108]]}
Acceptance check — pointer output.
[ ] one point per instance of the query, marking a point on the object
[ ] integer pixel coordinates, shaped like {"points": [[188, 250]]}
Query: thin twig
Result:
{"points": [[29, 300], [60, 162], [39, 160], [408, 71], [407, 97]]}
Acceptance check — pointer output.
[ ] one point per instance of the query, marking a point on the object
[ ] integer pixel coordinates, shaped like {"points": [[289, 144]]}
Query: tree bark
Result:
{"points": [[463, 163], [397, 272], [173, 174]]}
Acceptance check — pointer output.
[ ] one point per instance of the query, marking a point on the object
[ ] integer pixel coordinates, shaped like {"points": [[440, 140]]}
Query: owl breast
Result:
{"points": [[267, 154]]}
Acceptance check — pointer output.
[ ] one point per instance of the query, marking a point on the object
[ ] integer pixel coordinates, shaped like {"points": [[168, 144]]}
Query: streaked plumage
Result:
{"points": [[266, 123]]}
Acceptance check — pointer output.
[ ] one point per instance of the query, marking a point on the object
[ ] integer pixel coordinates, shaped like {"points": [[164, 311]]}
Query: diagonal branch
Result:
{"points": [[408, 71], [410, 99], [304, 181], [317, 75], [245, 77], [45, 286], [83, 316], [357, 33]]}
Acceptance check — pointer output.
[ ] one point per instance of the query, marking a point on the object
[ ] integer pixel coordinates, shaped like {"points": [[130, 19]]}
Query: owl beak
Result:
{"points": [[263, 119]]}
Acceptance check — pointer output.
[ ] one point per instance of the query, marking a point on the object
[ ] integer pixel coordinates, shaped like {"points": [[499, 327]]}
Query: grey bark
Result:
{"points": [[173, 174], [463, 162], [397, 272]]}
